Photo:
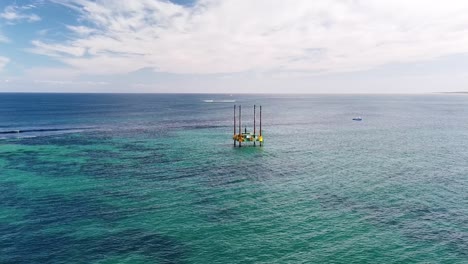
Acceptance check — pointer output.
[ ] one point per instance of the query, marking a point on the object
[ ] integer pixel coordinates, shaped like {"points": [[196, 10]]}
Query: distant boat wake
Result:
{"points": [[38, 130], [219, 101]]}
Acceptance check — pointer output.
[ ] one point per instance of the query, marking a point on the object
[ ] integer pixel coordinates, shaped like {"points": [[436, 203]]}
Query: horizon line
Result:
{"points": [[260, 93]]}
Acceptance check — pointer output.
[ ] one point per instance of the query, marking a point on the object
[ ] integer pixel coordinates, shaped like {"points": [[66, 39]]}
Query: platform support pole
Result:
{"points": [[261, 124], [240, 125], [234, 125], [255, 134]]}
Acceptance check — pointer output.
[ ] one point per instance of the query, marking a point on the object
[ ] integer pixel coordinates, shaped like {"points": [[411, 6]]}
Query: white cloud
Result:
{"points": [[57, 50], [3, 38], [3, 62], [228, 36], [15, 13], [51, 73], [61, 82], [81, 30]]}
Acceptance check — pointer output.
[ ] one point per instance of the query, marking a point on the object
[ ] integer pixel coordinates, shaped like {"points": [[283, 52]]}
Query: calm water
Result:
{"points": [[155, 179]]}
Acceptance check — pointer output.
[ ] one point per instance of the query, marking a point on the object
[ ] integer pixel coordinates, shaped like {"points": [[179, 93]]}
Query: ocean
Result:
{"points": [[154, 178]]}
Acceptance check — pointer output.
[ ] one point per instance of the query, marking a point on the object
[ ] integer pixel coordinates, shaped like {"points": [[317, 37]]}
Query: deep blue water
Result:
{"points": [[153, 178]]}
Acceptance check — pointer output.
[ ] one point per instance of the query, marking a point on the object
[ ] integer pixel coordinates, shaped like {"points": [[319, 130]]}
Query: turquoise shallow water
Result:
{"points": [[155, 179]]}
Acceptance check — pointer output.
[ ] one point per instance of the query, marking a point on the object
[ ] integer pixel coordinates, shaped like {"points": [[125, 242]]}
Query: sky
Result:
{"points": [[234, 46]]}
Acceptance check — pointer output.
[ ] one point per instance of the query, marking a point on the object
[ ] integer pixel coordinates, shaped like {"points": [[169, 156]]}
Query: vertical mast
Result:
{"points": [[260, 123], [234, 125], [255, 135], [240, 126]]}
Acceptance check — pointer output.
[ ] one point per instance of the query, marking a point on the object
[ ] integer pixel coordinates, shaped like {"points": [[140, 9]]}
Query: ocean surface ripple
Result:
{"points": [[155, 179]]}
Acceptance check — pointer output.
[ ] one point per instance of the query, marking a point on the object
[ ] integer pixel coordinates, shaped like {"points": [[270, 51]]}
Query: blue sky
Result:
{"points": [[229, 46]]}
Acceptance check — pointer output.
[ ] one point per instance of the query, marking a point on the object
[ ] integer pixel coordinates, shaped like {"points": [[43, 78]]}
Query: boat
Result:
{"points": [[357, 118]]}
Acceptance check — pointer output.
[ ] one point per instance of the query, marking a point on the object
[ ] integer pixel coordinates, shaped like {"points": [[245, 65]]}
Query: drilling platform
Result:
{"points": [[244, 136]]}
